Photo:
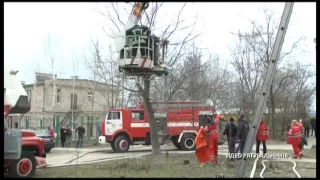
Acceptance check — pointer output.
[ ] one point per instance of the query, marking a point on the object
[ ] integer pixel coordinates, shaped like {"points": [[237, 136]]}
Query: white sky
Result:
{"points": [[71, 25]]}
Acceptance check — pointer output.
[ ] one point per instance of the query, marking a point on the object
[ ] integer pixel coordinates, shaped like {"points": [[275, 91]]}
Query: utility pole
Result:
{"points": [[266, 84]]}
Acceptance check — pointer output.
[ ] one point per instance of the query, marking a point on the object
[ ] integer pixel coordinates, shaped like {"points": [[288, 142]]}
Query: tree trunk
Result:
{"points": [[152, 123]]}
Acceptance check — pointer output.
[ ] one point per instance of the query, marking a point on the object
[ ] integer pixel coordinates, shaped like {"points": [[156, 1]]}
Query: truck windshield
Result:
{"points": [[113, 116]]}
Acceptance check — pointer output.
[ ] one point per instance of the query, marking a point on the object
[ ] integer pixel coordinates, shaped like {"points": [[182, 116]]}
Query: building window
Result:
{"points": [[58, 95], [90, 96], [29, 96], [74, 100], [73, 123], [137, 116]]}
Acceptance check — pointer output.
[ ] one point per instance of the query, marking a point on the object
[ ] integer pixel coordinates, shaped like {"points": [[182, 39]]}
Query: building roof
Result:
{"points": [[65, 79]]}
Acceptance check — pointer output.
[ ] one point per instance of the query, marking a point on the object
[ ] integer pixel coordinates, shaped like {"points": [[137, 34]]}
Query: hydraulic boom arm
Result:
{"points": [[136, 14]]}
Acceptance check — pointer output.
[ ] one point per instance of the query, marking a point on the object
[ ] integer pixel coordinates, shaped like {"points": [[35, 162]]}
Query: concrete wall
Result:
{"points": [[42, 94]]}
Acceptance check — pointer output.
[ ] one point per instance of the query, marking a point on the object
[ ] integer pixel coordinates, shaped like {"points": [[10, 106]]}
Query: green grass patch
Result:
{"points": [[157, 166]]}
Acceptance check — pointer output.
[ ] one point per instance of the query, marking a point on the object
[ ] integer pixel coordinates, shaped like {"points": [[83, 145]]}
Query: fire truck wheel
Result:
{"points": [[23, 167], [177, 145], [188, 142], [112, 145], [121, 144]]}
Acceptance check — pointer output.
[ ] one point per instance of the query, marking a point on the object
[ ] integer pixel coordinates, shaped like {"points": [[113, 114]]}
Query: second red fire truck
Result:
{"points": [[177, 121]]}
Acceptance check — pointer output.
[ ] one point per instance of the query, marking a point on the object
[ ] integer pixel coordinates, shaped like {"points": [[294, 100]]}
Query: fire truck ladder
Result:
{"points": [[182, 105], [267, 83]]}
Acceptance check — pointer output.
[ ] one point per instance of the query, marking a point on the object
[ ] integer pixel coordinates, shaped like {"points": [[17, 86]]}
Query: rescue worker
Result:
{"points": [[306, 125], [231, 132], [202, 150], [262, 136], [212, 133], [242, 132], [294, 138]]}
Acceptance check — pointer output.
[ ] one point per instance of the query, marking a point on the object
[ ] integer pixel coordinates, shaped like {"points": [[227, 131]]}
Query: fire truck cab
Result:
{"points": [[177, 121]]}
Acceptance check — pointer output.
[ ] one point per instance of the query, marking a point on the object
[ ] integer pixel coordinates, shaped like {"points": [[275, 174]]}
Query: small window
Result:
{"points": [[137, 116], [74, 99], [90, 96], [113, 115], [29, 96], [58, 95]]}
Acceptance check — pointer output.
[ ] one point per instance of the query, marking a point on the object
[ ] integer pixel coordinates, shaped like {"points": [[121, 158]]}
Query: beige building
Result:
{"points": [[60, 102]]}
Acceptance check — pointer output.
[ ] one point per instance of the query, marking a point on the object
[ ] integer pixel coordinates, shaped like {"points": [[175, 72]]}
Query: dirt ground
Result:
{"points": [[163, 166]]}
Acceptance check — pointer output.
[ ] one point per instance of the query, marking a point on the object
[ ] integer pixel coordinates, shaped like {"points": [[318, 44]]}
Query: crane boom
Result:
{"points": [[136, 14], [266, 84]]}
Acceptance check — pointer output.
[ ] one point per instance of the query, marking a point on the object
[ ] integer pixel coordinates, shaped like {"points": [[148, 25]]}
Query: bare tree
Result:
{"points": [[175, 50], [251, 57], [51, 56]]}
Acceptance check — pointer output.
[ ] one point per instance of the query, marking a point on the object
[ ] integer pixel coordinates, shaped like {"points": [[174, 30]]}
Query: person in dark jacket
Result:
{"points": [[313, 125], [68, 136], [231, 132], [81, 131], [63, 133], [306, 125], [242, 132]]}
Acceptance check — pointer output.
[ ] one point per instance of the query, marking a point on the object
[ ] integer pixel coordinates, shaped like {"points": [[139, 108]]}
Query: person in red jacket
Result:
{"points": [[262, 136], [212, 133], [294, 138]]}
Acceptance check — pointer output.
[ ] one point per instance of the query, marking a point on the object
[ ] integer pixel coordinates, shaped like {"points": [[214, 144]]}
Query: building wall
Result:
{"points": [[83, 88]]}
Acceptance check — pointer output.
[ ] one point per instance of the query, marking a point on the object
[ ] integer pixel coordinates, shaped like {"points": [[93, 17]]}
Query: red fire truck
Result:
{"points": [[177, 121]]}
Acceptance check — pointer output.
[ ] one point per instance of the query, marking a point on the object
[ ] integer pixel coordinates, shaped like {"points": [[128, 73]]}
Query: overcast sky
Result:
{"points": [[70, 26]]}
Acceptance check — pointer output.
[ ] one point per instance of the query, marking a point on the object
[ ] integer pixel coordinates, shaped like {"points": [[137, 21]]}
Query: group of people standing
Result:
{"points": [[238, 134], [207, 137], [309, 124], [66, 135]]}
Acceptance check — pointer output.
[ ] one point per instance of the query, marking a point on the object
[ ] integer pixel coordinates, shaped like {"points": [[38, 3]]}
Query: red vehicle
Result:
{"points": [[23, 151], [177, 121]]}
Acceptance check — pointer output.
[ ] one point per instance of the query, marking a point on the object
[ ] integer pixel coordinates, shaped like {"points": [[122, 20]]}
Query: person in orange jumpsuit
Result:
{"points": [[294, 138], [211, 130], [202, 150]]}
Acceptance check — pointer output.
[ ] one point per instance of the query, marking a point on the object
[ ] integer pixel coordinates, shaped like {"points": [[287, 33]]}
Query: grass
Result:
{"points": [[163, 166], [151, 166]]}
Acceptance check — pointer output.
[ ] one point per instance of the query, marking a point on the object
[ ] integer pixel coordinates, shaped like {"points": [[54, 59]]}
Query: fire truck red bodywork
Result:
{"points": [[180, 120]]}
